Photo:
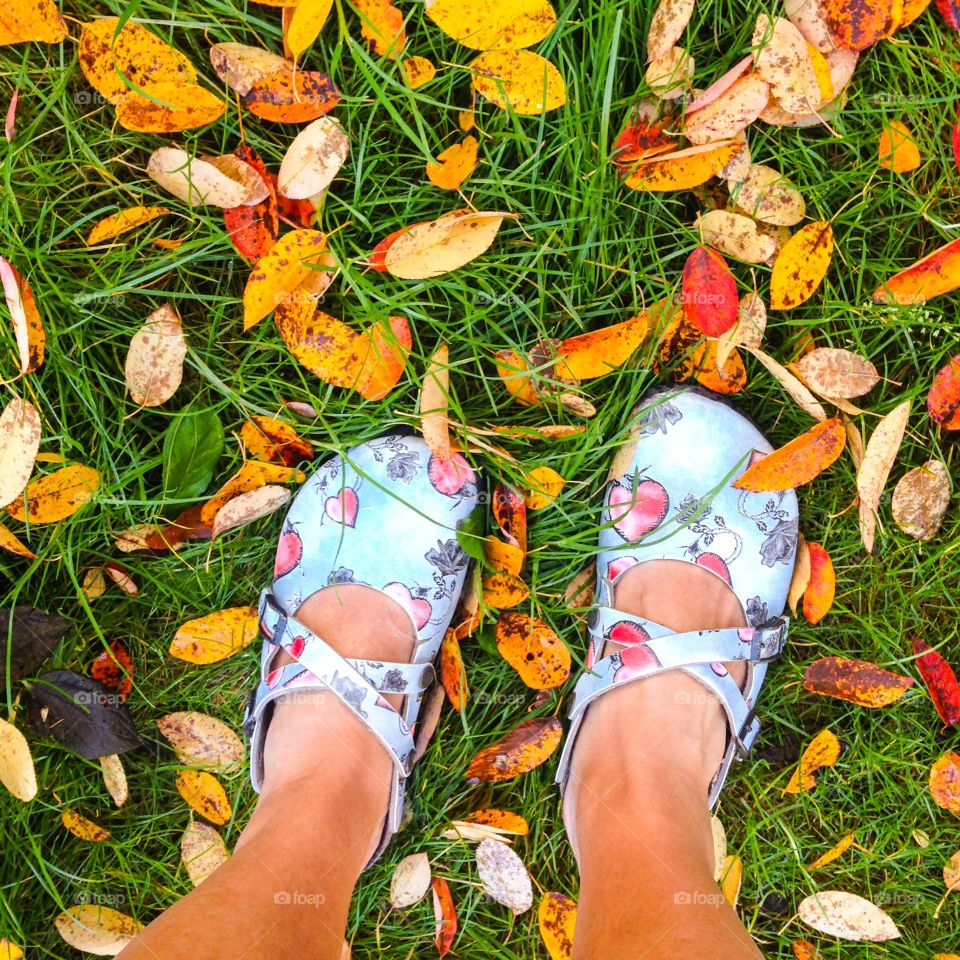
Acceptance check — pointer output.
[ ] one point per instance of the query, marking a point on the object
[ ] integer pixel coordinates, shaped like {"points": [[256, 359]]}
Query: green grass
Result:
{"points": [[585, 252]]}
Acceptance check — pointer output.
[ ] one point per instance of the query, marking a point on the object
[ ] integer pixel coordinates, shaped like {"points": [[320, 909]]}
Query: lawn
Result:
{"points": [[584, 252]]}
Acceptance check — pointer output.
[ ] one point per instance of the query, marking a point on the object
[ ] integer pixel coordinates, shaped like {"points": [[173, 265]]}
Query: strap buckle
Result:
{"points": [[747, 733], [768, 640]]}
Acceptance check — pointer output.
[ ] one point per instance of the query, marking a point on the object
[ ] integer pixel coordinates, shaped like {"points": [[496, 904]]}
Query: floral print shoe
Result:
{"points": [[671, 497], [384, 514]]}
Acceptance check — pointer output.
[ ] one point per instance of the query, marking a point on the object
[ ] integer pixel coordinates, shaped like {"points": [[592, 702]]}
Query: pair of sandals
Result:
{"points": [[386, 514]]}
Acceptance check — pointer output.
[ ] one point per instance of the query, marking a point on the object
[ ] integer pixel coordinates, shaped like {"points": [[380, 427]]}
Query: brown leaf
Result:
{"points": [[857, 681], [920, 500], [250, 506], [203, 741], [528, 745], [882, 449], [154, 366], [833, 372]]}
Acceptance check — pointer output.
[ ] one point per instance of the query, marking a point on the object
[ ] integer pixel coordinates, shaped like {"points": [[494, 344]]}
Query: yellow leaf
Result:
{"points": [[307, 21], [57, 495], [280, 272], [123, 222], [83, 828], [216, 636], [557, 919], [454, 165], [801, 265], [519, 80], [168, 107], [543, 486], [504, 25], [202, 850], [682, 169], [19, 442], [9, 541], [837, 850], [823, 751], [16, 764], [434, 403], [381, 25], [205, 794], [92, 928], [418, 71], [9, 950], [731, 876], [38, 21]]}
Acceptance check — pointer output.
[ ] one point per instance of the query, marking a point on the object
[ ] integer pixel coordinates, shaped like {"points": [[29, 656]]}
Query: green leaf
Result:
{"points": [[470, 533], [192, 446]]}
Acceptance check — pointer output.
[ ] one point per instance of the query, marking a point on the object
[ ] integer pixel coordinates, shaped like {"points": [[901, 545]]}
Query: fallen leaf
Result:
{"points": [[920, 500], [114, 778], [941, 681], [453, 676], [857, 681], [801, 574], [528, 745], [557, 919], [506, 25], [418, 71], [543, 485], [434, 404], [533, 649], [168, 108], [114, 669], [19, 442], [431, 249], [682, 169], [669, 77], [273, 441], [731, 878], [202, 851], [313, 159], [250, 506], [643, 136], [837, 850], [667, 24], [382, 26], [204, 793], [203, 741], [847, 916], [797, 391], [822, 751], [92, 928], [882, 449], [766, 195], [27, 326], [154, 366], [945, 782], [821, 587], [410, 881], [10, 130], [801, 266], [729, 112], [598, 352], [837, 373], [82, 828], [11, 543], [10, 950], [518, 80], [504, 877], [510, 515], [898, 150], [454, 165], [857, 25], [445, 916], [253, 475], [504, 591], [735, 235], [306, 23], [17, 773], [933, 275], [503, 821], [56, 496], [782, 59], [241, 67], [225, 181], [39, 22], [117, 224], [253, 228], [506, 557], [216, 636], [710, 299], [809, 18], [797, 462], [943, 400], [27, 637], [292, 95]]}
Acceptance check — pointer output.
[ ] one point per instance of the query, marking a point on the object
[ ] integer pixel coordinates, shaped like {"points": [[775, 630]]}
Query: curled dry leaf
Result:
{"points": [[822, 751], [782, 58], [735, 235], [19, 442], [797, 462], [528, 745], [801, 265], [557, 920], [832, 372], [313, 159], [410, 881], [114, 778], [203, 741], [765, 194], [747, 331], [882, 449], [454, 165], [847, 916], [941, 681], [205, 794], [506, 25], [92, 928], [920, 500], [897, 149], [250, 506], [931, 276], [434, 403], [837, 850], [27, 326], [240, 66], [453, 675], [216, 636], [822, 585], [56, 496], [219, 181], [436, 247], [533, 649], [719, 837], [682, 169], [154, 366], [17, 773], [445, 916], [670, 75], [122, 578], [667, 25], [729, 113], [82, 828], [504, 877], [202, 851], [519, 80], [857, 681], [117, 224]]}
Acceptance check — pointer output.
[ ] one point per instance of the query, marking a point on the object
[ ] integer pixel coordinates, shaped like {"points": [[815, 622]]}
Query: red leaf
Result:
{"points": [[445, 915], [818, 597], [956, 139], [114, 669], [941, 681], [950, 12], [297, 213], [254, 229], [710, 299], [641, 140], [943, 401], [378, 255], [510, 512]]}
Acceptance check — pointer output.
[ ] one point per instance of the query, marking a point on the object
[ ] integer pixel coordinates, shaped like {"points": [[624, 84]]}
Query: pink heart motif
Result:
{"points": [[343, 507], [637, 511], [627, 634], [715, 564], [449, 477], [289, 552], [618, 566], [635, 661], [419, 609]]}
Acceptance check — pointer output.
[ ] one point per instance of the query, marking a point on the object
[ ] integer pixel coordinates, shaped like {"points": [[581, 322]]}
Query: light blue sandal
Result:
{"points": [[385, 514], [673, 499]]}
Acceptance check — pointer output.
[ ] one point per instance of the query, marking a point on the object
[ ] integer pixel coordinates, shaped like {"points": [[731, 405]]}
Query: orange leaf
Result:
{"points": [[453, 675], [506, 557], [205, 794], [292, 95], [27, 325], [837, 850], [857, 24], [502, 820], [797, 462], [525, 747], [251, 476], [943, 400], [381, 25], [898, 150], [822, 585], [803, 950], [512, 370], [445, 915], [596, 353], [504, 591], [542, 486], [38, 21], [533, 649], [730, 378], [114, 669], [683, 169], [823, 751], [9, 541], [945, 782], [57, 495], [936, 273], [384, 348], [274, 441], [454, 165], [858, 681], [168, 107], [510, 514]]}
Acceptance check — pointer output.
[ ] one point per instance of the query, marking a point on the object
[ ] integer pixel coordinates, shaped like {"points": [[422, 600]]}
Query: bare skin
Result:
{"points": [[642, 826]]}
